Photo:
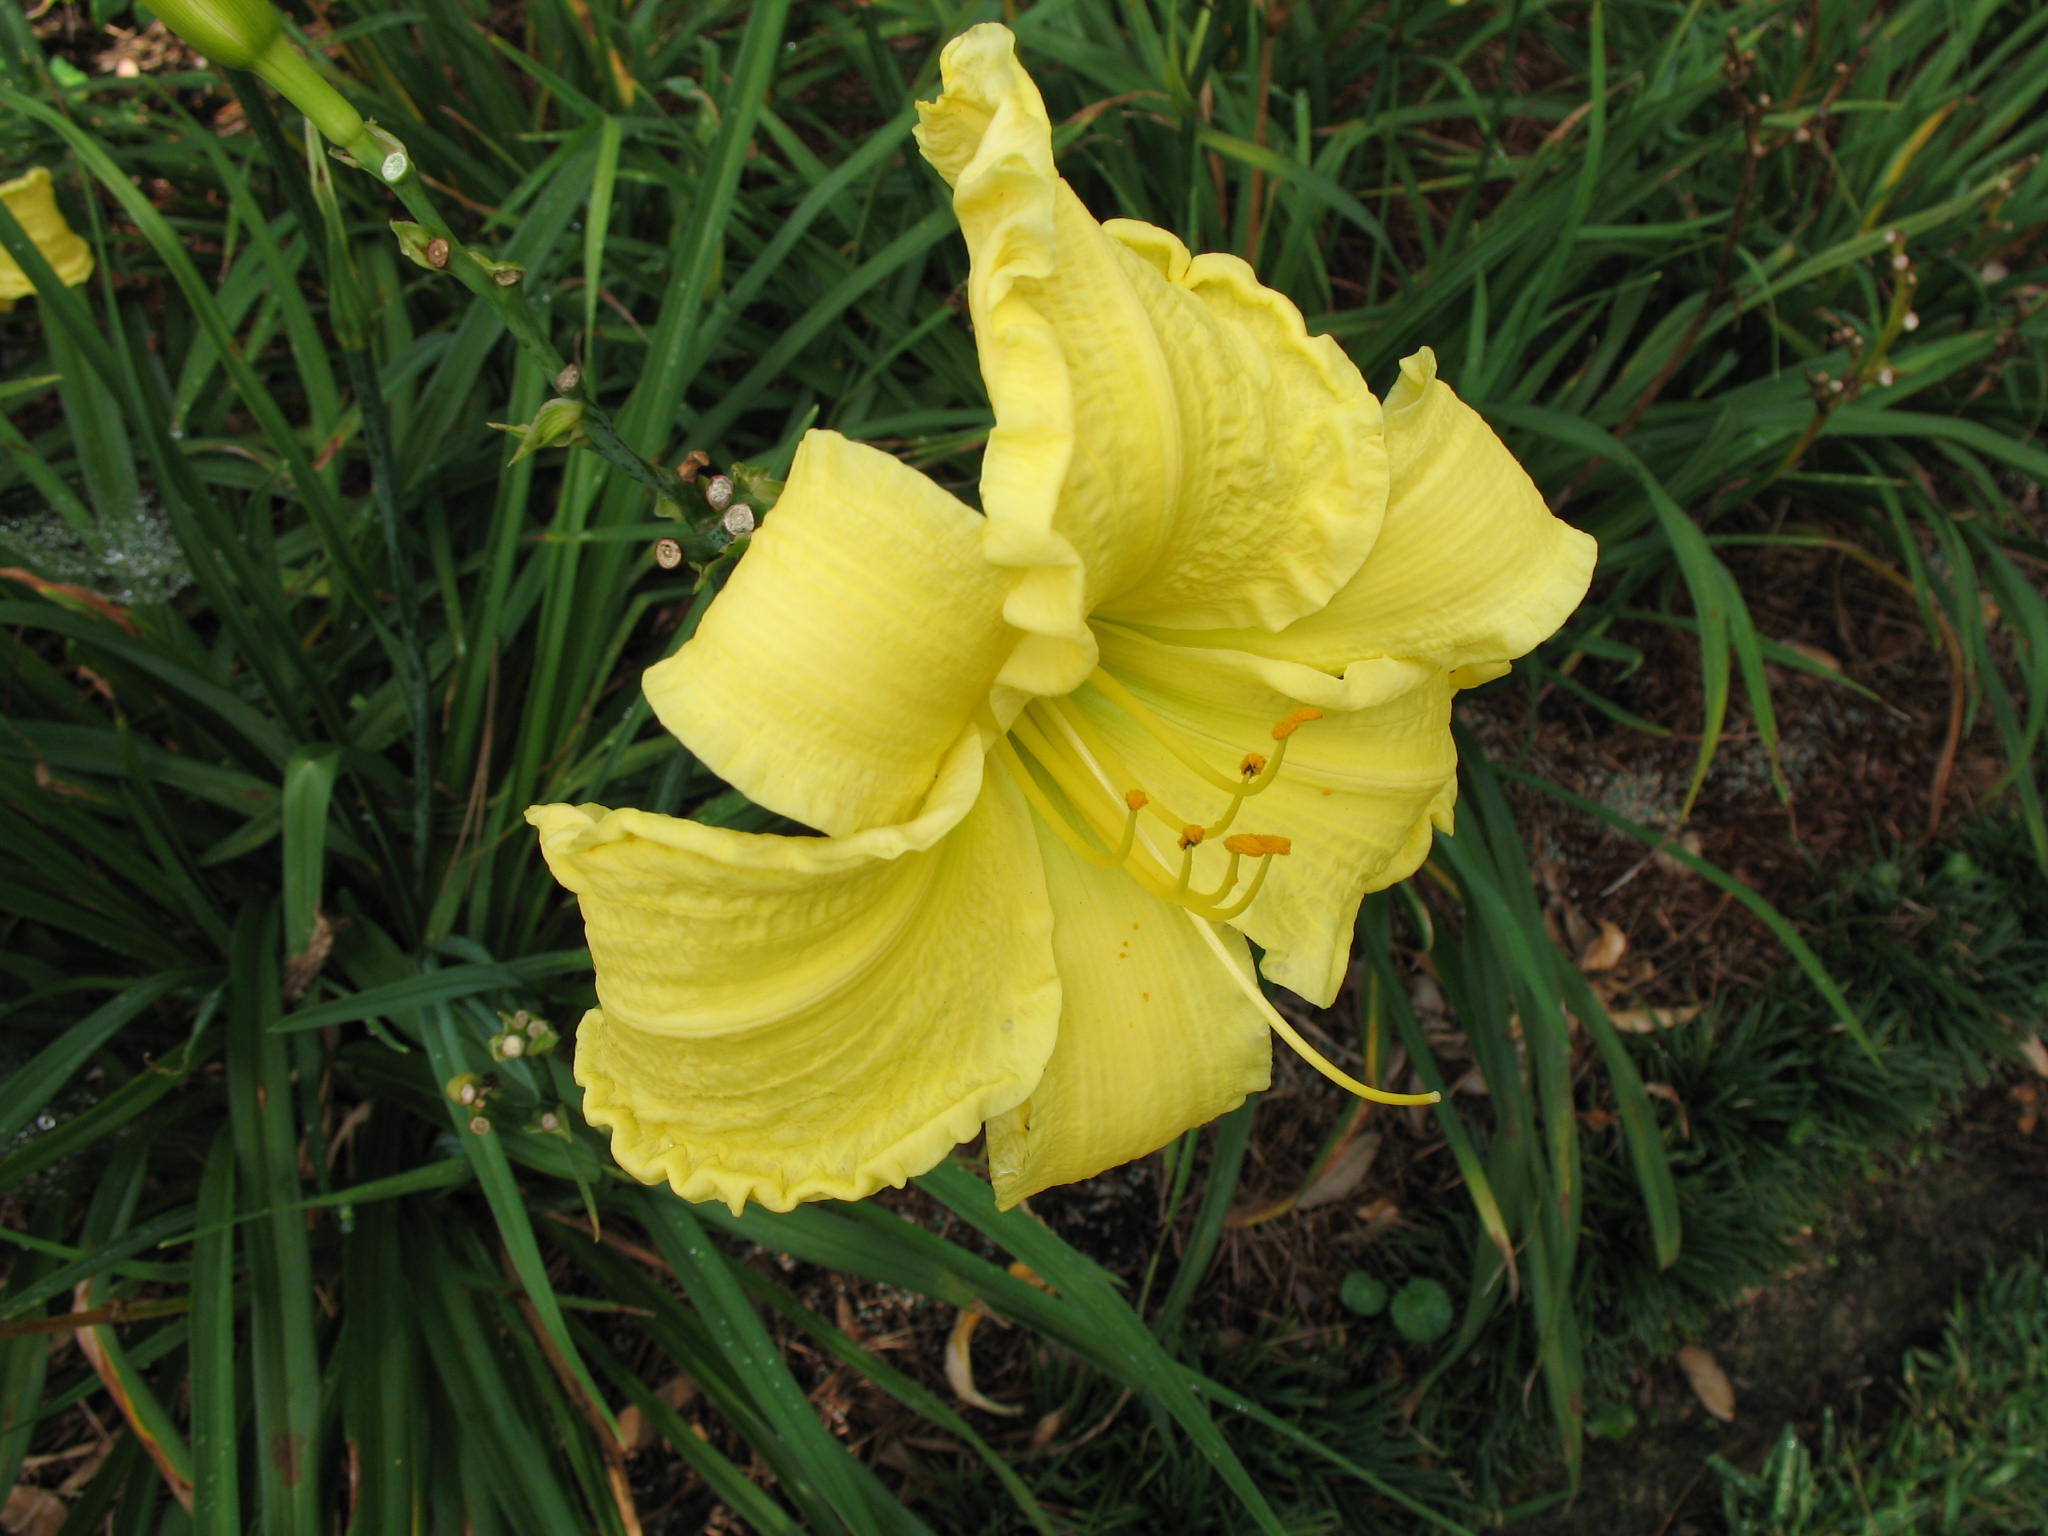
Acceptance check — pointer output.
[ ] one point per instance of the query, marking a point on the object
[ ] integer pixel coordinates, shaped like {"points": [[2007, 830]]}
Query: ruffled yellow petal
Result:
{"points": [[860, 633], [1170, 445], [785, 1019], [1470, 566], [33, 201], [1155, 1037], [1359, 793]]}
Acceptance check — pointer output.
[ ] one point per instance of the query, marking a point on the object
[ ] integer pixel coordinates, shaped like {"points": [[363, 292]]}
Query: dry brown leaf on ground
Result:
{"points": [[1710, 1384], [1670, 1096], [1647, 1021], [1380, 1217], [1815, 654], [32, 1511], [1604, 953], [2028, 1097], [636, 1430], [1690, 842], [1346, 1171]]}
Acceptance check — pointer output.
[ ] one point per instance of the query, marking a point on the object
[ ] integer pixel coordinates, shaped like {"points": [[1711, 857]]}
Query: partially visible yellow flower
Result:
{"points": [[33, 202], [1185, 680]]}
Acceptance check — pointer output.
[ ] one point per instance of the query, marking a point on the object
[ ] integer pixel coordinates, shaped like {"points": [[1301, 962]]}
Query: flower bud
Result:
{"points": [[760, 487], [553, 1121], [232, 32], [557, 424], [249, 34], [466, 1088]]}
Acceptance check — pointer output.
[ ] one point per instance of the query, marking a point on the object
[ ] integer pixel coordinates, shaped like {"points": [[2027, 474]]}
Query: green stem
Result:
{"points": [[376, 151]]}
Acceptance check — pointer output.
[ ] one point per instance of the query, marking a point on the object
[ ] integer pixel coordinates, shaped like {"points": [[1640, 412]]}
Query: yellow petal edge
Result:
{"points": [[1471, 568], [783, 1019], [1170, 445], [860, 633]]}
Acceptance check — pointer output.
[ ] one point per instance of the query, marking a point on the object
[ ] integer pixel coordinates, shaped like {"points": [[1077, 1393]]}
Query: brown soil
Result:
{"points": [[1877, 1279]]}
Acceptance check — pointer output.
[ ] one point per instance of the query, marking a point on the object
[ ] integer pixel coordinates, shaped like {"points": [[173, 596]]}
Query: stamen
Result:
{"points": [[1190, 840], [1295, 721], [1102, 759], [1237, 908], [1160, 731], [1149, 872], [1209, 899], [1292, 1036], [1081, 782], [1072, 776], [1222, 824], [1048, 812], [1258, 843]]}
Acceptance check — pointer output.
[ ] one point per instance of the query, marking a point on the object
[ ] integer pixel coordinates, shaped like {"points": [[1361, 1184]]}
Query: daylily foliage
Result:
{"points": [[1184, 681]]}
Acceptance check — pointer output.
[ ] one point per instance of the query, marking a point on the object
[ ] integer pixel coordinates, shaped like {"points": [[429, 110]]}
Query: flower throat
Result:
{"points": [[1055, 754]]}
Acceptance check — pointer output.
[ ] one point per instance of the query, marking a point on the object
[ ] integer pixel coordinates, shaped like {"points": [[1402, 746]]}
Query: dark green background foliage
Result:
{"points": [[1723, 274]]}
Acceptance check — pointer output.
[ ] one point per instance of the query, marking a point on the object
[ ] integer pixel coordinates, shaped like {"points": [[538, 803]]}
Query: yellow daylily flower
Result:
{"points": [[33, 202], [1183, 681]]}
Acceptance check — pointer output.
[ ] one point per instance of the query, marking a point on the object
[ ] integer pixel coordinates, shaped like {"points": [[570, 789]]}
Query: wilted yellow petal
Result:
{"points": [[859, 634], [1359, 794], [1470, 567], [1170, 444], [1154, 1038], [785, 1019], [33, 201]]}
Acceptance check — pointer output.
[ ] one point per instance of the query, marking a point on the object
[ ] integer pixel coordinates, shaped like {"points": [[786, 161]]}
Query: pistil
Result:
{"points": [[1287, 1032]]}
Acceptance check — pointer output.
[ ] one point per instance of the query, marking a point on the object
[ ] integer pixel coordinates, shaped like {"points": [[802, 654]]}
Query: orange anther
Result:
{"points": [[1257, 844], [1252, 766], [1295, 722], [1137, 799], [1191, 835]]}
